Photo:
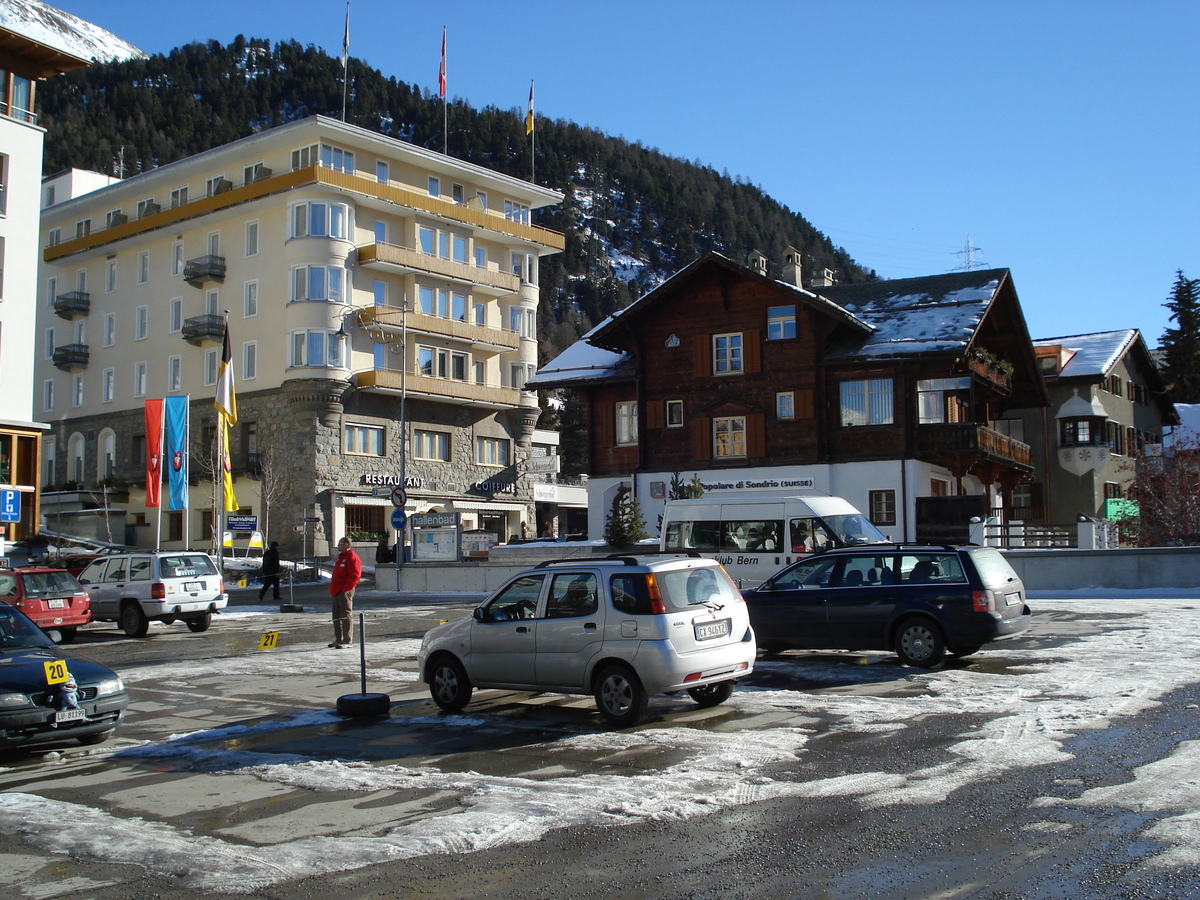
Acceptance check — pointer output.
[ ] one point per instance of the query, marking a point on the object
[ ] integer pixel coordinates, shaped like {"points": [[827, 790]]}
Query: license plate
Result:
{"points": [[1012, 599], [57, 603], [712, 630], [193, 585], [69, 715]]}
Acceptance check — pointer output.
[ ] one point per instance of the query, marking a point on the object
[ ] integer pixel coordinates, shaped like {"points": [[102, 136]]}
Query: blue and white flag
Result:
{"points": [[176, 449]]}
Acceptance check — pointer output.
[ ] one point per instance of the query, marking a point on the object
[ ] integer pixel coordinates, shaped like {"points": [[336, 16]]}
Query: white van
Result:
{"points": [[753, 536]]}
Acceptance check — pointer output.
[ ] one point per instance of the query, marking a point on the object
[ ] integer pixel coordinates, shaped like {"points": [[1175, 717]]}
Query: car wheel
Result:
{"points": [[919, 643], [966, 651], [711, 694], [200, 623], [133, 621], [620, 696], [449, 685], [98, 738], [67, 635]]}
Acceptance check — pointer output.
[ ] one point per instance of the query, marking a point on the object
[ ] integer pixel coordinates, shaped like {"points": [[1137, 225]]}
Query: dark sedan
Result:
{"points": [[919, 601], [48, 697]]}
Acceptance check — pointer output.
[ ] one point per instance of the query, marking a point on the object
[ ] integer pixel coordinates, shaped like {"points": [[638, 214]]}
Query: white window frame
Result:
{"points": [[382, 172], [779, 318], [302, 342], [729, 437], [139, 379], [174, 374], [110, 329], [48, 344], [332, 289], [211, 359], [250, 299], [179, 196], [866, 401], [625, 423], [785, 405], [177, 260], [251, 247], [674, 414], [48, 395], [249, 360], [141, 323], [434, 445], [76, 391], [433, 186], [54, 237], [175, 315], [143, 267], [110, 276], [108, 385], [51, 290], [319, 218], [728, 354]]}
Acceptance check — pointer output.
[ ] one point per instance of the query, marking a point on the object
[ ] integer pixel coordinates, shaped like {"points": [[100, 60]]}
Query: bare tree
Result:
{"points": [[1167, 493]]}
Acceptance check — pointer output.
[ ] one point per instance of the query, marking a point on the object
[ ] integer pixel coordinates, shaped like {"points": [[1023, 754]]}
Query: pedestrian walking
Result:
{"points": [[346, 573], [270, 570]]}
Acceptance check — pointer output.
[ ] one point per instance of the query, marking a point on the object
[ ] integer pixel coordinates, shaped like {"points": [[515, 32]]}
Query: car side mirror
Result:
{"points": [[480, 614]]}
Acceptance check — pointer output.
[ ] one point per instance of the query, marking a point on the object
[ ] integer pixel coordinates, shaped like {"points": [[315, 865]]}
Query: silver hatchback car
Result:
{"points": [[619, 628]]}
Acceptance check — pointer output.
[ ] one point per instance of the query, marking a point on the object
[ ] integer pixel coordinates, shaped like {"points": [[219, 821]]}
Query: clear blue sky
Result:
{"points": [[1063, 136]]}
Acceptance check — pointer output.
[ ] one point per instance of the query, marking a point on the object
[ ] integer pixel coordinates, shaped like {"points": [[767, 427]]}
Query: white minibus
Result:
{"points": [[753, 536]]}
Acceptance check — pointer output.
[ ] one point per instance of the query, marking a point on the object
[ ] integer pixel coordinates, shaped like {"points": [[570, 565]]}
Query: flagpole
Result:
{"points": [[187, 488], [162, 441], [345, 58], [445, 99]]}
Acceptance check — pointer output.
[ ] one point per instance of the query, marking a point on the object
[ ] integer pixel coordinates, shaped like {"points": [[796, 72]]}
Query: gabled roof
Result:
{"points": [[55, 41], [911, 316], [608, 332], [1094, 354]]}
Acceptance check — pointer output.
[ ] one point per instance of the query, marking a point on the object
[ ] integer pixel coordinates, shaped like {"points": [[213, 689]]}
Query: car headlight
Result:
{"points": [[109, 686], [8, 701]]}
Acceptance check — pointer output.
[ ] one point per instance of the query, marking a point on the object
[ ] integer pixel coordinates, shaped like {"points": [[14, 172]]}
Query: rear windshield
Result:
{"points": [[49, 584], [187, 566], [693, 587], [994, 569]]}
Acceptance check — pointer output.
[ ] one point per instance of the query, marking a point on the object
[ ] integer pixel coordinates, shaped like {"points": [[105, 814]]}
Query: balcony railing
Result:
{"points": [[73, 304], [204, 268], [199, 329], [406, 259], [485, 395], [991, 371], [967, 437], [394, 321], [71, 356]]}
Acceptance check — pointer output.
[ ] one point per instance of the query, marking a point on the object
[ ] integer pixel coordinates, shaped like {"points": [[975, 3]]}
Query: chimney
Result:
{"points": [[791, 267], [757, 262], [824, 278]]}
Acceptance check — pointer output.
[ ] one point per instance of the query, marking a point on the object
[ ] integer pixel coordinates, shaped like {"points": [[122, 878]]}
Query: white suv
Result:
{"points": [[620, 628], [137, 588]]}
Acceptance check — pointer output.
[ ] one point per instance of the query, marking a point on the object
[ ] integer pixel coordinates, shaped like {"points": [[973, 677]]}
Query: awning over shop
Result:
{"points": [[486, 506]]}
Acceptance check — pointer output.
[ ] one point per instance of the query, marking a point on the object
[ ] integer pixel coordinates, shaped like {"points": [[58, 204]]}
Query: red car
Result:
{"points": [[52, 598]]}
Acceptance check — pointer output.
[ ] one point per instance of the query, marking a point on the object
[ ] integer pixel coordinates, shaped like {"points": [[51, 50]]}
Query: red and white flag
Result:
{"points": [[154, 440], [442, 67]]}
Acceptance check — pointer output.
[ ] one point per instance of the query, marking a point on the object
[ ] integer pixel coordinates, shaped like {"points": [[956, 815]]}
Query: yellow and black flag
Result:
{"points": [[226, 404]]}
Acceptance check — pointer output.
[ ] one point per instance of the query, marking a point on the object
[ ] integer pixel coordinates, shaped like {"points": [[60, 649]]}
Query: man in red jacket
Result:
{"points": [[346, 573]]}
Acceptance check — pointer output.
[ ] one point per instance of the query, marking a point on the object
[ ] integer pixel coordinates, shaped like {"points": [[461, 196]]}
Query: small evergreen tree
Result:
{"points": [[1181, 344], [625, 524], [681, 490]]}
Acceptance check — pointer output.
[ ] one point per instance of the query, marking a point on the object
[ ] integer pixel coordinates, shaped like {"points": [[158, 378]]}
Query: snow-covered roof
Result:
{"points": [[63, 32], [1094, 354], [583, 362], [1188, 430], [910, 316]]}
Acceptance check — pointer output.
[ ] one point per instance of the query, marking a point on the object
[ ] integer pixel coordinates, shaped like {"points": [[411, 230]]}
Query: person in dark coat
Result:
{"points": [[383, 553], [270, 571]]}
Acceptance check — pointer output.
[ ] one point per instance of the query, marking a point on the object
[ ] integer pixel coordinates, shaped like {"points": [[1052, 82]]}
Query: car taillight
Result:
{"points": [[981, 601], [657, 607], [158, 591]]}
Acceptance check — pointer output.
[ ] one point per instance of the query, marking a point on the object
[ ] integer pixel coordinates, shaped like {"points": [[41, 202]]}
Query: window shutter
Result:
{"points": [[656, 415], [702, 356], [803, 400], [607, 423], [756, 436], [701, 440], [751, 351]]}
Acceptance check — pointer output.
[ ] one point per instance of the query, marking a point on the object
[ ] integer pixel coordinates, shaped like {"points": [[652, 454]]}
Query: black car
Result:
{"points": [[919, 601], [48, 697]]}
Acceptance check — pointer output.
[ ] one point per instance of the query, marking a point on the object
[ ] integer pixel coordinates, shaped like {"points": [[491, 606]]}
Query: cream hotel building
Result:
{"points": [[381, 302]]}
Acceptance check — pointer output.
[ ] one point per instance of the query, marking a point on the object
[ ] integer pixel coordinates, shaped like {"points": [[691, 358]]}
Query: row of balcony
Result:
{"points": [[969, 438]]}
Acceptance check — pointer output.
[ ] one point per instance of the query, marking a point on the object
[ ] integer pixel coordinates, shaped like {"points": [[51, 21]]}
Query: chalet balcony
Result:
{"points": [[199, 329], [444, 389], [203, 269], [71, 356], [72, 305], [958, 445], [992, 372], [404, 260]]}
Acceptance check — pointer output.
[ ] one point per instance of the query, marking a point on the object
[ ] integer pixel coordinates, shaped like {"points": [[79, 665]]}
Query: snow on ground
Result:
{"points": [[1043, 697]]}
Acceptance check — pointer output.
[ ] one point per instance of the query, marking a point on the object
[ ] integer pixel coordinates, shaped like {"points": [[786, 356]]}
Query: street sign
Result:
{"points": [[241, 523], [299, 529], [10, 505], [312, 518], [399, 498], [399, 519]]}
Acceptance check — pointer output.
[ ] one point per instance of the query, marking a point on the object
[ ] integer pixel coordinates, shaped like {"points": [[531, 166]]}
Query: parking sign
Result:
{"points": [[10, 505]]}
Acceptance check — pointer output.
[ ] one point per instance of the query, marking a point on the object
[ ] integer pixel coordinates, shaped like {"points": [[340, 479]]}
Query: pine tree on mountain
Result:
{"points": [[1181, 344]]}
